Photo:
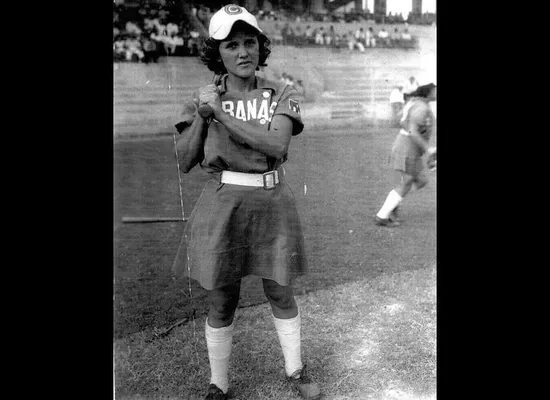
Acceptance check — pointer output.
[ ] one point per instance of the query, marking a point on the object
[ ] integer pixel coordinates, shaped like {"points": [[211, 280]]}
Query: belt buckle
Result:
{"points": [[270, 179]]}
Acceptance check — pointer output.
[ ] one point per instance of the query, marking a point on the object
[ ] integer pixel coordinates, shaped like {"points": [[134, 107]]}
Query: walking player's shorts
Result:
{"points": [[406, 156]]}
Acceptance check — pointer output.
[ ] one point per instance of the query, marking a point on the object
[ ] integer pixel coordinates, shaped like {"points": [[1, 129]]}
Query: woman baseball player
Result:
{"points": [[411, 143], [245, 222]]}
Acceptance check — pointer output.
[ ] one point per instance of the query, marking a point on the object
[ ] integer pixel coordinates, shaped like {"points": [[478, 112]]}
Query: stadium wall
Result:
{"points": [[341, 86]]}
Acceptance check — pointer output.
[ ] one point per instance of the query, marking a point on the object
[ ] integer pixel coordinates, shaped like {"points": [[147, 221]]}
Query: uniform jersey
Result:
{"points": [[418, 112], [257, 107], [406, 154], [233, 230]]}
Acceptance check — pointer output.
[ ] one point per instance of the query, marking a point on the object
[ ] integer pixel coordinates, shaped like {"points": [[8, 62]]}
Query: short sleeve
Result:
{"points": [[289, 105], [188, 114], [418, 114]]}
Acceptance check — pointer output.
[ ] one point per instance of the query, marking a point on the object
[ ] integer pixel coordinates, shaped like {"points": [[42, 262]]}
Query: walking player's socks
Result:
{"points": [[288, 331], [391, 202], [219, 342]]}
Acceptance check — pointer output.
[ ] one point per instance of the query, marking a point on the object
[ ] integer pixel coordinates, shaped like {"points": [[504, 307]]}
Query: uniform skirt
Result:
{"points": [[406, 156], [235, 231]]}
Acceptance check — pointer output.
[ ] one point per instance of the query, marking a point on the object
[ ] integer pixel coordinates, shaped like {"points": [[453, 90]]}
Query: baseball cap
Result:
{"points": [[222, 21]]}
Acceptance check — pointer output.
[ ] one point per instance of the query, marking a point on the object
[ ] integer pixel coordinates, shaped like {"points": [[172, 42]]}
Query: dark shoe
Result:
{"points": [[385, 222], [394, 216], [303, 383], [215, 393]]}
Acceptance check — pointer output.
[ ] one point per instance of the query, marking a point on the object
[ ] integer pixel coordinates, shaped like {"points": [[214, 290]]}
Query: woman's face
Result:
{"points": [[240, 54]]}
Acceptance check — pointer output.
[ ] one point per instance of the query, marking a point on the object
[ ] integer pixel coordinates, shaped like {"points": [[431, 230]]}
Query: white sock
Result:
{"points": [[219, 342], [391, 202], [288, 331]]}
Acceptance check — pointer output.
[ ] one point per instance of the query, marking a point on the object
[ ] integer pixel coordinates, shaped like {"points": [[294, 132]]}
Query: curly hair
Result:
{"points": [[423, 91], [210, 51]]}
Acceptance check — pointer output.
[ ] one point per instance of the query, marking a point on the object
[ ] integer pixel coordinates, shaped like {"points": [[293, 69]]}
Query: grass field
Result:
{"points": [[368, 303]]}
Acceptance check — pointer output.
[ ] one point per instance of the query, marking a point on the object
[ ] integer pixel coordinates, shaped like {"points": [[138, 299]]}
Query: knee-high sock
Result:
{"points": [[391, 202], [288, 331], [219, 342]]}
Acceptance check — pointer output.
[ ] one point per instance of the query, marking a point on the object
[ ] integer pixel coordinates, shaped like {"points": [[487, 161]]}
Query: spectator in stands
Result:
{"points": [[370, 38], [397, 101], [395, 37], [133, 48], [353, 43], [409, 86], [287, 33], [132, 28], [360, 36], [309, 34], [171, 43], [193, 43], [119, 48], [384, 37], [161, 29], [150, 50], [171, 28], [149, 24], [336, 41], [406, 35], [331, 37], [320, 36]]}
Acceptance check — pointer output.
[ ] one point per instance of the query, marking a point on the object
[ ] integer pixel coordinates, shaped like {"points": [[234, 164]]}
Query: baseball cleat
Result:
{"points": [[385, 222], [215, 393], [308, 389], [394, 216]]}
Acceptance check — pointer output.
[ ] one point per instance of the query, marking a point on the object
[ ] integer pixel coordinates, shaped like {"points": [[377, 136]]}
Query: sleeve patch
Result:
{"points": [[294, 105]]}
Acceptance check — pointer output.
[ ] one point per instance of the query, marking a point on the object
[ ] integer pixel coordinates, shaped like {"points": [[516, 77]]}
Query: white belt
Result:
{"points": [[404, 132], [267, 180]]}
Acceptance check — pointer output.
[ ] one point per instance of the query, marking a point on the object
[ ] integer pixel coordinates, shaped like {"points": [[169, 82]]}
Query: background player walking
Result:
{"points": [[411, 143]]}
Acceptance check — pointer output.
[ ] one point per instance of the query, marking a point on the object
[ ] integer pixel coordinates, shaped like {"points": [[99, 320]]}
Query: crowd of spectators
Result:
{"points": [[156, 29], [359, 40], [146, 33]]}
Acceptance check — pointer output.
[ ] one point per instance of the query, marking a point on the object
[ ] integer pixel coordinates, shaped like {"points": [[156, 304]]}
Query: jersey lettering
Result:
{"points": [[265, 112], [251, 109], [240, 114], [227, 106]]}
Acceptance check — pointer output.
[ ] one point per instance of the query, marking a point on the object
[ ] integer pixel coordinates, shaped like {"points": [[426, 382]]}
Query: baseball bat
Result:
{"points": [[138, 220], [205, 110]]}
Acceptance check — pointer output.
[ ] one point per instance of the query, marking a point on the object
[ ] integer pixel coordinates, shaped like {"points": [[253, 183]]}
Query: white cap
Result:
{"points": [[222, 21]]}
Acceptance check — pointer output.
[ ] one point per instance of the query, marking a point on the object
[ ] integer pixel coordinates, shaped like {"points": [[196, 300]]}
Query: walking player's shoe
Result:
{"points": [[394, 216], [215, 393], [303, 383], [385, 222]]}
